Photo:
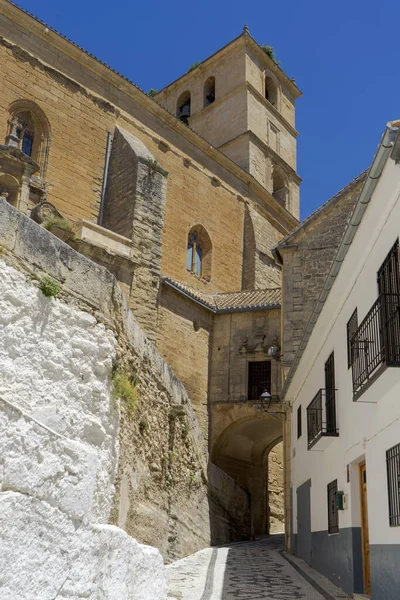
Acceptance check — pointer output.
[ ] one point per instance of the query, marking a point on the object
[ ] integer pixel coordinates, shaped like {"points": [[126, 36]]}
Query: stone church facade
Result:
{"points": [[182, 197]]}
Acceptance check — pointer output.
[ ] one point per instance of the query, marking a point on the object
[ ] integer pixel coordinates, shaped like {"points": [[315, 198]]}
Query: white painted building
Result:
{"points": [[344, 390]]}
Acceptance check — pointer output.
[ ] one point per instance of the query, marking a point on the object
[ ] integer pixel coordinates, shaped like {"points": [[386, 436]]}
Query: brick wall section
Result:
{"points": [[307, 257], [134, 207]]}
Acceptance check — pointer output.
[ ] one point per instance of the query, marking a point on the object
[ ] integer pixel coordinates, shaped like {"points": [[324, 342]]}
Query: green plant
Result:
{"points": [[125, 388], [142, 425], [154, 165], [55, 221], [152, 92], [49, 287], [269, 51], [193, 66]]}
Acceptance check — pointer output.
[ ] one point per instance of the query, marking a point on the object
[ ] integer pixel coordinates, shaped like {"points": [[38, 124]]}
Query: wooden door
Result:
{"points": [[364, 529]]}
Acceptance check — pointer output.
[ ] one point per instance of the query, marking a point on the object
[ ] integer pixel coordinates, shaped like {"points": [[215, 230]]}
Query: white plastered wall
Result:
{"points": [[370, 426]]}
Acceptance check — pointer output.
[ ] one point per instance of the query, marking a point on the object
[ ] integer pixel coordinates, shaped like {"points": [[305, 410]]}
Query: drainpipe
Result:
{"points": [[105, 176], [380, 158]]}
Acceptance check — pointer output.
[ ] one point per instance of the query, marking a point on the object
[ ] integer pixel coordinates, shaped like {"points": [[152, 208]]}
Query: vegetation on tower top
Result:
{"points": [[194, 66], [270, 52]]}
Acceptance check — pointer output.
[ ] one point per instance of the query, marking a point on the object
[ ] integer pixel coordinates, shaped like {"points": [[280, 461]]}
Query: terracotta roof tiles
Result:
{"points": [[231, 301]]}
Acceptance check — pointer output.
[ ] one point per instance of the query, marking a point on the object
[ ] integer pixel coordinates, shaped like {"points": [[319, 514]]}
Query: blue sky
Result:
{"points": [[344, 56]]}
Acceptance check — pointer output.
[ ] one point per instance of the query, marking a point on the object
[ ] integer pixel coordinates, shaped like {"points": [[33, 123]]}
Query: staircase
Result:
{"points": [[361, 597]]}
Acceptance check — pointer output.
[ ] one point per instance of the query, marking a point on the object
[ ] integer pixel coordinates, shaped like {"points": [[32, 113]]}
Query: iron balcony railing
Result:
{"points": [[376, 342], [321, 417]]}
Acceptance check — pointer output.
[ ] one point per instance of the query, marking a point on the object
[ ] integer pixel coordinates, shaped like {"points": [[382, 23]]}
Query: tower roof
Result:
{"points": [[245, 38]]}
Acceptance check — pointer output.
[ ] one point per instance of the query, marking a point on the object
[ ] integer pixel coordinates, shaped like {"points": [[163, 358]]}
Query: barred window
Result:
{"points": [[393, 476], [299, 422], [352, 326], [333, 513], [259, 379]]}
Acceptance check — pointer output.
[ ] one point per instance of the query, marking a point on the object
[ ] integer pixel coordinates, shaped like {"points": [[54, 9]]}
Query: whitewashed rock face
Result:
{"points": [[46, 556], [56, 362], [59, 456]]}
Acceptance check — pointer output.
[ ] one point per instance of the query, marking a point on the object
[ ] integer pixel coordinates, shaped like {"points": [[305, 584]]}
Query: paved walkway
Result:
{"points": [[246, 571]]}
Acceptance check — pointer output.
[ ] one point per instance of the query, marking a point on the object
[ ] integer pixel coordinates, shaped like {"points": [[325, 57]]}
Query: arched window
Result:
{"points": [[183, 107], [280, 188], [271, 91], [29, 130], [209, 91], [198, 253]]}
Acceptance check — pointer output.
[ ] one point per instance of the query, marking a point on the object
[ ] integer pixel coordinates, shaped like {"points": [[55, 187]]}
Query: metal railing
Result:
{"points": [[321, 417], [376, 341]]}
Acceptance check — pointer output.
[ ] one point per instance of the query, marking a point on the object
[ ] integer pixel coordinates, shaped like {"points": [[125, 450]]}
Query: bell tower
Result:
{"points": [[242, 102]]}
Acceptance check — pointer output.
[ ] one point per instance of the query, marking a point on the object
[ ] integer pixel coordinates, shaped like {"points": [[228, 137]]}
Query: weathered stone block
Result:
{"points": [[38, 462], [44, 556]]}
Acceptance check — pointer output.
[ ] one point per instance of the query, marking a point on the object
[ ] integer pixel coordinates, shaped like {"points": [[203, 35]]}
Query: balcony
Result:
{"points": [[321, 419], [375, 345]]}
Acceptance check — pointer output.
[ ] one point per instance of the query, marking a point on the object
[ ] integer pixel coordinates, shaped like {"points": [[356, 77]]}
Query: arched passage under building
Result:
{"points": [[248, 446]]}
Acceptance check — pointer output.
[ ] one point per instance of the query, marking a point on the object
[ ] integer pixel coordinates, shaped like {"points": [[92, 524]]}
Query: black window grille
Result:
{"points": [[330, 403], [393, 476], [376, 341], [333, 513], [389, 272], [389, 290], [259, 379], [299, 422], [352, 326]]}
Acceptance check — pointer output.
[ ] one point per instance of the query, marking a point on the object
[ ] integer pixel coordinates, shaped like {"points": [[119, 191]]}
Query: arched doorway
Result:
{"points": [[248, 447]]}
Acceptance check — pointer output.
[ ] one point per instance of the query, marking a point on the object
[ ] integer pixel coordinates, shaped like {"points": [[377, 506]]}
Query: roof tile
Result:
{"points": [[230, 301]]}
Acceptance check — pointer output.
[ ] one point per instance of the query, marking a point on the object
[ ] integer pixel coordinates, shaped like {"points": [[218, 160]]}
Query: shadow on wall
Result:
{"points": [[229, 508]]}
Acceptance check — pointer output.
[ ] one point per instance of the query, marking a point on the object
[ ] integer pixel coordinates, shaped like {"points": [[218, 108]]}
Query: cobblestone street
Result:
{"points": [[247, 571]]}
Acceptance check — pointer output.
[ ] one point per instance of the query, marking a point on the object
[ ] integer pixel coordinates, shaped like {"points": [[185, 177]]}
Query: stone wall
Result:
{"points": [[307, 254], [275, 490], [60, 361], [239, 338], [260, 270], [134, 207], [183, 340], [83, 105]]}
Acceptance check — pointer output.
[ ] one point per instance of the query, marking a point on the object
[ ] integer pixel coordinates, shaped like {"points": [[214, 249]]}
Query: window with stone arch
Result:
{"points": [[209, 91], [271, 90], [198, 253], [183, 107], [29, 130]]}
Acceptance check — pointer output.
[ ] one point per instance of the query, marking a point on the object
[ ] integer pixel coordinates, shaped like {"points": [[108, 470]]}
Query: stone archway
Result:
{"points": [[243, 440]]}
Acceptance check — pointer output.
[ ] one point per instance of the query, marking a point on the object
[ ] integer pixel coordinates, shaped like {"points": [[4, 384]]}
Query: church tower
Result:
{"points": [[242, 102]]}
